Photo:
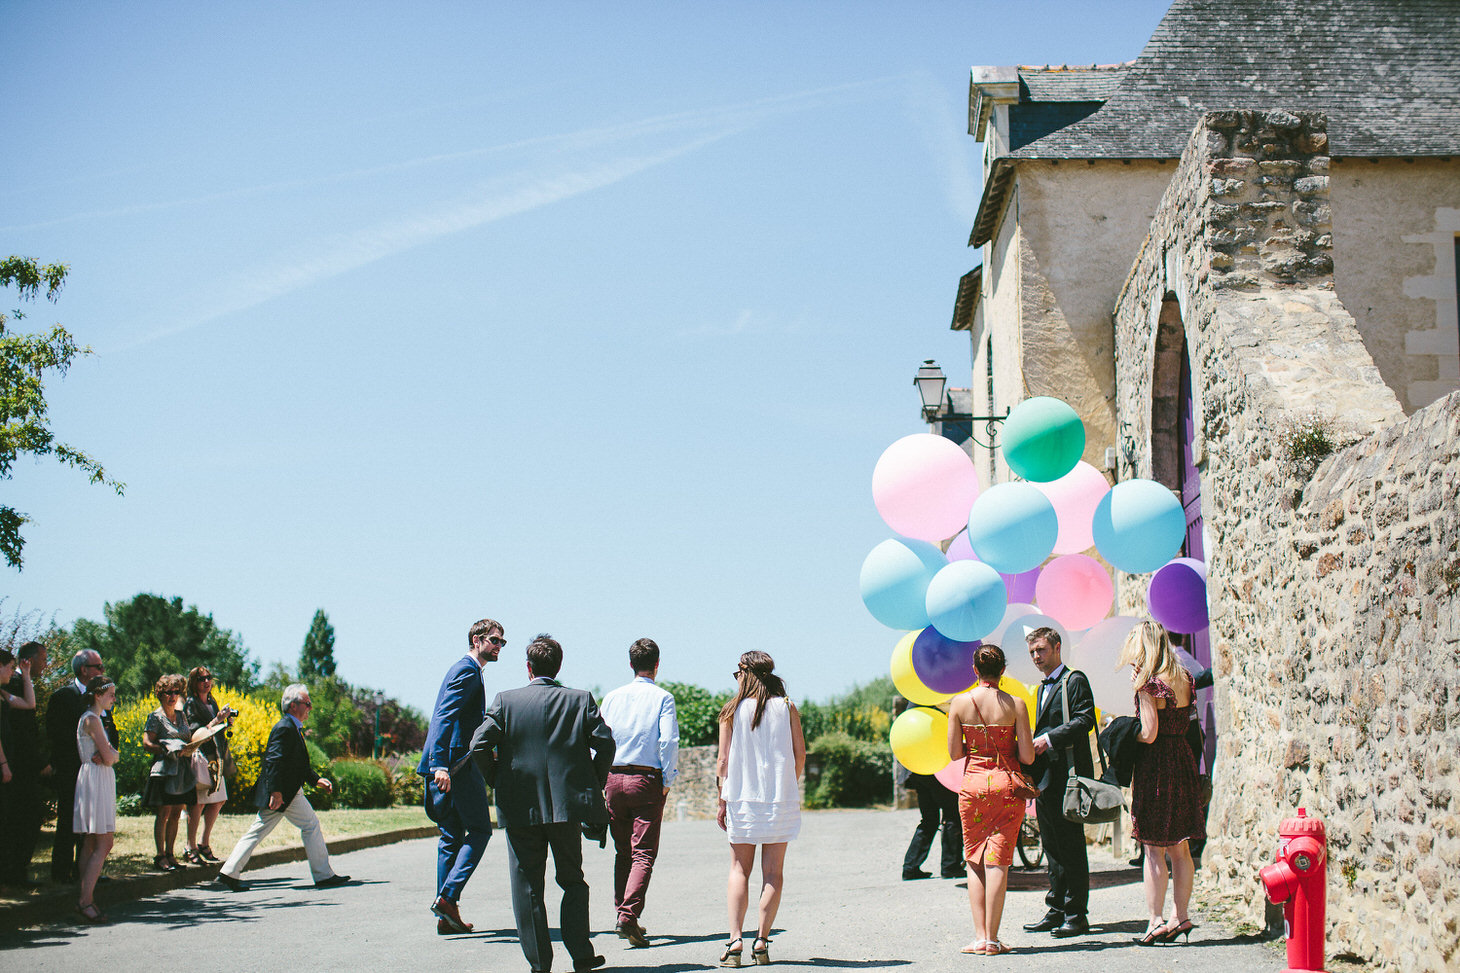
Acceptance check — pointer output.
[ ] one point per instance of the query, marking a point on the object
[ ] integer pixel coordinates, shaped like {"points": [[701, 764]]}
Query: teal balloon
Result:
{"points": [[1138, 526], [1012, 527], [894, 581], [966, 601], [1043, 439]]}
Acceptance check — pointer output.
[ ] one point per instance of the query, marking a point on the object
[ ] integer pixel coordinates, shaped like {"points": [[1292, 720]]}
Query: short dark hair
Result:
{"points": [[989, 662], [485, 626], [545, 656], [30, 650], [1045, 634], [643, 655]]}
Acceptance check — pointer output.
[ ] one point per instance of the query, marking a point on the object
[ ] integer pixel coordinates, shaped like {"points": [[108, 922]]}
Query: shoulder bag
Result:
{"points": [[1087, 801]]}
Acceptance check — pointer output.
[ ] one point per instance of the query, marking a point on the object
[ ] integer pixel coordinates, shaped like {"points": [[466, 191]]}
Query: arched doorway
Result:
{"points": [[1174, 463]]}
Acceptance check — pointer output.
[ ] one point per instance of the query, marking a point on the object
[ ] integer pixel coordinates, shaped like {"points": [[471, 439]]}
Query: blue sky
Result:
{"points": [[591, 318]]}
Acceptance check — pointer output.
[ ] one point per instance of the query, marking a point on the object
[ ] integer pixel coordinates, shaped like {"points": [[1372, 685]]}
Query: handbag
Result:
{"points": [[1024, 786], [201, 770], [1086, 800]]}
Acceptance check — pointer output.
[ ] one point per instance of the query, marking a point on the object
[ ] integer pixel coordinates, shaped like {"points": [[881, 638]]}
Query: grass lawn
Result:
{"points": [[133, 851]]}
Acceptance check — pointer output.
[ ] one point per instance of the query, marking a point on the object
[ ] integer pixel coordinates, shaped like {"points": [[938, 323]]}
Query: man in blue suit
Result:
{"points": [[457, 799]]}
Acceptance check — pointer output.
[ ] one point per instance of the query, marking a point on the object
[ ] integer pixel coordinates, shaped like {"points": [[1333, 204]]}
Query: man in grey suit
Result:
{"points": [[546, 751]]}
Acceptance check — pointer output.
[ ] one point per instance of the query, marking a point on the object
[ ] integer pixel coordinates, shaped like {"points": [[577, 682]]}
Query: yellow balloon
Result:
{"points": [[919, 740], [1018, 690], [907, 681]]}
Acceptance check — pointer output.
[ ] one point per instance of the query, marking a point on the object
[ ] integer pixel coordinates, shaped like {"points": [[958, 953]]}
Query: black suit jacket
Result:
{"points": [[63, 712], [547, 752], [1052, 768], [286, 765]]}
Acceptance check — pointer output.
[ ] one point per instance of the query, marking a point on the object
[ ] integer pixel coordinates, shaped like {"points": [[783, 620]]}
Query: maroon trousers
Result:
{"points": [[635, 811]]}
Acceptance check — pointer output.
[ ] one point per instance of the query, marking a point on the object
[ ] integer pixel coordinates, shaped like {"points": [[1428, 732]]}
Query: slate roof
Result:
{"points": [[1387, 73]]}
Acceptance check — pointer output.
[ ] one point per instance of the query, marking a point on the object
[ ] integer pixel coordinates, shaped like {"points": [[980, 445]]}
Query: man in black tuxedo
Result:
{"points": [[21, 797], [547, 753], [1056, 736], [280, 794], [63, 712]]}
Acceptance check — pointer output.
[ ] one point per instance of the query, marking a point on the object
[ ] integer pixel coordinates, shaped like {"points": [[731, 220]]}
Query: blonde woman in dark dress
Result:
{"points": [[1165, 786]]}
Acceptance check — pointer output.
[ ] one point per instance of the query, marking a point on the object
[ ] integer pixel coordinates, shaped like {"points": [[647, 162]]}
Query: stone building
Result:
{"points": [[1254, 222]]}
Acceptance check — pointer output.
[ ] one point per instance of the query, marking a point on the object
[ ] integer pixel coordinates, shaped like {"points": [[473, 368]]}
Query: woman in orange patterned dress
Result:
{"points": [[990, 729]]}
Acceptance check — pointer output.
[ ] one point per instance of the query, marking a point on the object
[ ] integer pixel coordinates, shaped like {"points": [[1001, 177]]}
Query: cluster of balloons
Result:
{"points": [[973, 566]]}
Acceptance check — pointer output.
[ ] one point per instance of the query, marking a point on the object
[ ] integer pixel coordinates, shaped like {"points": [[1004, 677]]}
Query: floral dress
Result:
{"points": [[990, 812]]}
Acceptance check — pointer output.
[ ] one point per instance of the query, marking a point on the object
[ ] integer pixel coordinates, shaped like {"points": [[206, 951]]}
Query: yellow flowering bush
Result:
{"points": [[257, 714]]}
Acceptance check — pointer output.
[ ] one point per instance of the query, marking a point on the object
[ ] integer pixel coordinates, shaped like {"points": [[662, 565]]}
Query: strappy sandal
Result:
{"points": [[163, 864], [762, 953], [977, 946], [731, 957], [206, 853], [90, 914], [995, 948], [192, 857]]}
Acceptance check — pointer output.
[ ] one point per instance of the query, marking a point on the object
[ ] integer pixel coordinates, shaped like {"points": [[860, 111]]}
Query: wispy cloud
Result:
{"points": [[742, 323], [574, 163], [954, 154]]}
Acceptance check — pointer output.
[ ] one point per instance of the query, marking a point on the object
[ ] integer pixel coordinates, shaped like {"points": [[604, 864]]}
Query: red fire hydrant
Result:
{"points": [[1299, 881]]}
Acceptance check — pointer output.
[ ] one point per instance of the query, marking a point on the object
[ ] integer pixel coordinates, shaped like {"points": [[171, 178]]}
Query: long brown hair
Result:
{"points": [[757, 681]]}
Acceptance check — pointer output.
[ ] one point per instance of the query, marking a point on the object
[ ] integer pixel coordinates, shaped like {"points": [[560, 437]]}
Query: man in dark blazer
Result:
{"points": [[279, 794], [547, 752], [458, 803], [63, 712], [1056, 737]]}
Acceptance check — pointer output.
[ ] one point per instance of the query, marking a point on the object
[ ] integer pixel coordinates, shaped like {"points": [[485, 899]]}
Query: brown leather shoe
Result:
{"points": [[633, 932], [447, 912]]}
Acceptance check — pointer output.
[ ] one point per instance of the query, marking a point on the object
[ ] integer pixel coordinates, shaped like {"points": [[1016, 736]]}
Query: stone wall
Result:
{"points": [[1335, 618]]}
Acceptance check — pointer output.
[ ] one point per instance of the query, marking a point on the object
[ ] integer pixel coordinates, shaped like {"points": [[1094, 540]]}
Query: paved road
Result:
{"points": [[845, 908]]}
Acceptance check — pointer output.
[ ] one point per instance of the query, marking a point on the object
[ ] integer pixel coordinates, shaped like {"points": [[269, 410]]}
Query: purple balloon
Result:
{"points": [[1021, 586], [943, 664], [959, 549], [1177, 595]]}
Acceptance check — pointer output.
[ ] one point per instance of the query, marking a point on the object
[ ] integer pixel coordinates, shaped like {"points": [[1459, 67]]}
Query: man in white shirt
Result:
{"points": [[646, 735]]}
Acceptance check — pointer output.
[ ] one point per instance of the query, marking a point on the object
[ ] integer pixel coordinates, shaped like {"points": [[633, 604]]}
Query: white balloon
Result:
{"points": [[1016, 649], [1095, 655]]}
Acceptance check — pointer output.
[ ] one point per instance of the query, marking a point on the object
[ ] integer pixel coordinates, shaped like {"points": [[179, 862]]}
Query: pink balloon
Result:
{"points": [[951, 776], [1075, 590], [959, 549], [923, 487], [1075, 497]]}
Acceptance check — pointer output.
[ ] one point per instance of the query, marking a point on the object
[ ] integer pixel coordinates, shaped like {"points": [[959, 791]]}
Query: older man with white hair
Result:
{"points": [[280, 794]]}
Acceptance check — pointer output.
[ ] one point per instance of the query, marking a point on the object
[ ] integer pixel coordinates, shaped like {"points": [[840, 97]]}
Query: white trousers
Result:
{"points": [[298, 813]]}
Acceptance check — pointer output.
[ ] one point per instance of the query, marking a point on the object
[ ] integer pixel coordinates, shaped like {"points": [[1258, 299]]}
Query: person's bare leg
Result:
{"points": [[977, 904], [173, 816], [195, 813], [210, 818], [1183, 877], [996, 885], [737, 891], [1155, 885], [159, 831], [772, 867], [93, 857]]}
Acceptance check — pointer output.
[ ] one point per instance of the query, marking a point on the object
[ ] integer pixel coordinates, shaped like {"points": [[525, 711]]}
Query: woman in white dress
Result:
{"points": [[96, 793], [762, 755]]}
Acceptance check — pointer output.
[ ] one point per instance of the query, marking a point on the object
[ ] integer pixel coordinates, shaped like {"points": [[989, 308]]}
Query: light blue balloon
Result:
{"points": [[966, 600], [895, 577], [1012, 527], [1138, 526]]}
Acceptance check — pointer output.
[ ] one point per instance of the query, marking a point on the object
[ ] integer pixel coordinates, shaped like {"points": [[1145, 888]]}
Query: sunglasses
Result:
{"points": [[170, 692], [497, 640]]}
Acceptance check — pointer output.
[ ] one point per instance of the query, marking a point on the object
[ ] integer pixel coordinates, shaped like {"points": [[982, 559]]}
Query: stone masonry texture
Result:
{"points": [[1335, 599]]}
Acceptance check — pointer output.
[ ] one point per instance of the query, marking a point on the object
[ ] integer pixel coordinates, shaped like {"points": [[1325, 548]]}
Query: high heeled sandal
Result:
{"points": [[163, 864], [1152, 935], [731, 957], [90, 914], [1169, 933], [206, 853], [192, 857], [762, 953]]}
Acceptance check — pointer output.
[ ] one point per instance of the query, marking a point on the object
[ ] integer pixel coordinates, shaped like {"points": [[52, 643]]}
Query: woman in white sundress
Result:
{"points": [[762, 755], [95, 814]]}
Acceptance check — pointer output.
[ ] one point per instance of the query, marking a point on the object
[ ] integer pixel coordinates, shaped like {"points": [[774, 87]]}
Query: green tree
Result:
{"points": [[24, 361], [317, 658], [698, 712], [149, 636]]}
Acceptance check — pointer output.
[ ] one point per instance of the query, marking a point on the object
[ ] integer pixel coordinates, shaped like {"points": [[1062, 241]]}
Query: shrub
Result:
{"points": [[1306, 439], [698, 713], [407, 787], [360, 783], [852, 773]]}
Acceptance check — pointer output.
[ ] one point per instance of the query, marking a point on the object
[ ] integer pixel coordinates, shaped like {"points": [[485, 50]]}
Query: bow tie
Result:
{"points": [[1048, 680]]}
